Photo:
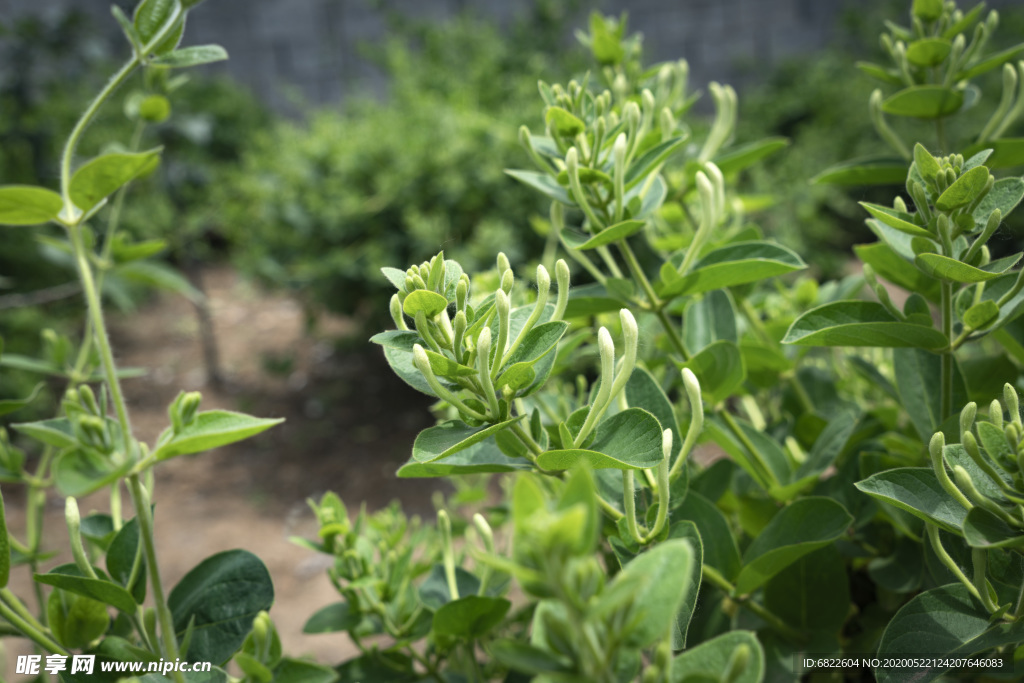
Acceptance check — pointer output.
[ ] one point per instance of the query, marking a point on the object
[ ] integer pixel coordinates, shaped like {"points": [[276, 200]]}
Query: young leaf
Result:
{"points": [[627, 440], [220, 596], [544, 183], [735, 264], [944, 622], [563, 123], [688, 530], [710, 660], [613, 233], [951, 270], [469, 617], [655, 584], [718, 545], [1006, 152], [430, 303], [964, 190], [121, 559], [28, 205], [983, 529], [211, 429], [993, 62], [890, 265], [797, 530], [896, 219], [709, 318], [639, 169], [720, 370], [924, 102], [55, 432], [864, 171], [68, 577], [928, 52], [1005, 195], [150, 16], [80, 472], [194, 55], [333, 618], [448, 438], [479, 458], [916, 490], [101, 177], [919, 381], [643, 391], [156, 274], [738, 158], [860, 323]]}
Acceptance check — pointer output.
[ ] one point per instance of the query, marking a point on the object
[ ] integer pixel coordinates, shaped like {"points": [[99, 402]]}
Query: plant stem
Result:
{"points": [[712, 575], [29, 630], [638, 274], [946, 398]]}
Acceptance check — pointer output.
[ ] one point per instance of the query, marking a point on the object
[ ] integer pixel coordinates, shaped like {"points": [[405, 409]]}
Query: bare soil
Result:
{"points": [[349, 425]]}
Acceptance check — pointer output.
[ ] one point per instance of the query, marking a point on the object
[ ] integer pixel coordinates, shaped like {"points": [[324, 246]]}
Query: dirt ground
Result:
{"points": [[349, 425]]}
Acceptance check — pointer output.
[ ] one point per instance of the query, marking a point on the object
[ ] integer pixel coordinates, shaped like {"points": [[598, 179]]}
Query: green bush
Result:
{"points": [[318, 205]]}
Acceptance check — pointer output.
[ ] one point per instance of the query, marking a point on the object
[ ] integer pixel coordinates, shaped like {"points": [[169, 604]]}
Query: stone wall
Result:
{"points": [[309, 48]]}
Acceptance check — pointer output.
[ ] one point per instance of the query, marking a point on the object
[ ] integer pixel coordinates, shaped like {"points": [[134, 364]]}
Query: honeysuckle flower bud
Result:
{"points": [[459, 326], [502, 262], [738, 662], [508, 280], [461, 294], [1011, 403], [707, 199], [693, 394], [73, 519], [899, 205], [881, 127], [619, 174], [562, 278], [484, 529], [935, 449], [631, 339], [718, 183], [621, 87], [599, 404], [995, 413], [967, 416], [667, 123], [396, 312], [632, 115], [502, 308]]}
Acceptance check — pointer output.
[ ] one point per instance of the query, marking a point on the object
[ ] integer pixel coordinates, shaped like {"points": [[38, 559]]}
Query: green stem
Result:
{"points": [[946, 397], [638, 274], [768, 477], [144, 514], [712, 575], [933, 536], [29, 630]]}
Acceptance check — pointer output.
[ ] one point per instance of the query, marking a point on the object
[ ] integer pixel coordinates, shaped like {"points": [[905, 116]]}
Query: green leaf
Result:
{"points": [[769, 450], [860, 323], [896, 219], [589, 300], [964, 190], [967, 21], [641, 168], [738, 158], [221, 596], [688, 530], [190, 56], [927, 10], [735, 264], [926, 164], [1005, 195], [919, 381], [951, 270], [829, 444], [993, 62], [928, 52], [710, 660], [332, 619], [434, 592], [121, 559], [643, 391], [709, 318], [469, 617], [150, 16], [654, 585], [55, 432], [627, 440], [872, 170], [894, 268], [76, 620], [547, 185], [526, 658], [795, 531], [430, 303], [155, 274], [561, 122], [717, 541], [80, 472], [880, 73], [943, 622], [28, 205], [103, 176], [479, 458], [983, 529], [720, 370], [916, 490], [924, 102], [300, 671], [982, 314], [813, 593], [211, 429], [612, 233], [448, 438], [443, 366], [69, 577], [534, 353], [901, 571]]}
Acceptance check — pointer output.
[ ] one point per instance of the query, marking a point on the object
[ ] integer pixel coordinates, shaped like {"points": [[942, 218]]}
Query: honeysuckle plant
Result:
{"points": [[110, 601]]}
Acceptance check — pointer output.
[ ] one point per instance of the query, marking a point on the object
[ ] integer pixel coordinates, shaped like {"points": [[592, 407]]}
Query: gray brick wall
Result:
{"points": [[308, 48]]}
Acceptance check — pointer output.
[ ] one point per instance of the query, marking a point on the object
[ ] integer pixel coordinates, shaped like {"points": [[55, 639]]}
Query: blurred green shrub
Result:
{"points": [[319, 206]]}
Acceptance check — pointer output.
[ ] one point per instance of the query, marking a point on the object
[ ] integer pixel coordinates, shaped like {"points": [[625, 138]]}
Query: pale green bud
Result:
{"points": [[967, 416], [995, 413]]}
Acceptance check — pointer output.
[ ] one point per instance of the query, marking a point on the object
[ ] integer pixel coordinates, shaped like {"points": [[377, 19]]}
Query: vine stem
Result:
{"points": [[29, 630]]}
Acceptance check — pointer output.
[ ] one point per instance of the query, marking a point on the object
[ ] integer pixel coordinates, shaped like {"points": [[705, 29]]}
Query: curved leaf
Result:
{"points": [[918, 491], [448, 438], [613, 233], [951, 270], [194, 55], [211, 429], [983, 529], [640, 168], [544, 183], [964, 190], [425, 301], [220, 597], [797, 530], [80, 472], [627, 440], [720, 370], [943, 622], [736, 159], [483, 457], [28, 205], [711, 659], [470, 617], [864, 171], [718, 546], [928, 52], [734, 264], [101, 177], [924, 102], [896, 219], [68, 577], [860, 323], [1005, 195]]}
